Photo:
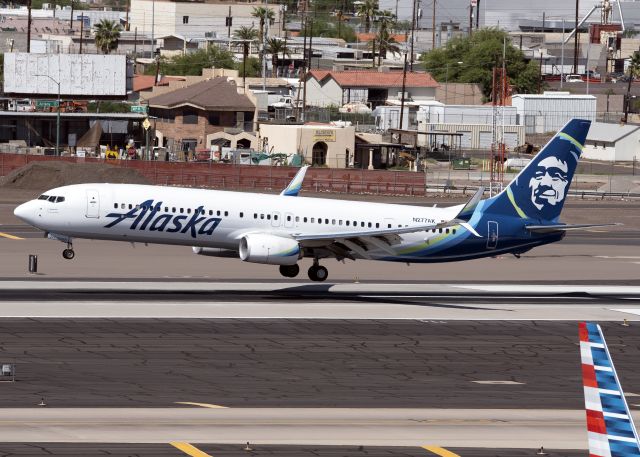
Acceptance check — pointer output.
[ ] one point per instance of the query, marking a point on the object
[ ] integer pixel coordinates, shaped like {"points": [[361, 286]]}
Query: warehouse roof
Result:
{"points": [[609, 132], [366, 79]]}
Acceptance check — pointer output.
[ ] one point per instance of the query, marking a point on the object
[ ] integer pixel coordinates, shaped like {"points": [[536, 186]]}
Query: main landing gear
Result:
{"points": [[316, 272], [289, 271], [69, 252]]}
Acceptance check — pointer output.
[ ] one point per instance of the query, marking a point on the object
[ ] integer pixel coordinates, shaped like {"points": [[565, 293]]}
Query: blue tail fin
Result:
{"points": [[539, 190]]}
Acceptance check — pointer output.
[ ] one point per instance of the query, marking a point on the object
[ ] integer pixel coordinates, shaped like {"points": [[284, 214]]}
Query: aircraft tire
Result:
{"points": [[68, 254], [318, 273], [289, 271]]}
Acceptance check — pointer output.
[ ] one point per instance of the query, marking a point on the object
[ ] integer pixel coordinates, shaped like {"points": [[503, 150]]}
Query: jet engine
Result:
{"points": [[215, 252], [269, 249]]}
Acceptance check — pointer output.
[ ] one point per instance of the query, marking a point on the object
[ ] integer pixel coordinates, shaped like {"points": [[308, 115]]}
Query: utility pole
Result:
{"points": [[433, 27], [413, 30], [306, 69], [404, 86], [229, 23], [470, 18], [478, 15], [71, 20], [81, 31], [127, 15], [28, 25], [575, 49]]}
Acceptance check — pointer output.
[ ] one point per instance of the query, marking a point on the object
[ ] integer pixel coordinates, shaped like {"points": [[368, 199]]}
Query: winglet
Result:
{"points": [[467, 210], [293, 189], [609, 424]]}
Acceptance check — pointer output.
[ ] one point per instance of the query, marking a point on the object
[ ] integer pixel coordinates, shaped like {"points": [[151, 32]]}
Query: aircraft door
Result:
{"points": [[288, 220], [93, 203], [492, 235]]}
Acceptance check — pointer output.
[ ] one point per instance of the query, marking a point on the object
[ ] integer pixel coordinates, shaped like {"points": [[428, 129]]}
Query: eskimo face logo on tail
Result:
{"points": [[147, 216], [549, 182]]}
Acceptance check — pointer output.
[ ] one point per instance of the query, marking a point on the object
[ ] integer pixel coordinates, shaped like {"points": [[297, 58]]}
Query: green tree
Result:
{"points": [[366, 10], [634, 72], [249, 68], [386, 43], [192, 63], [328, 28], [107, 35], [263, 14], [246, 35], [480, 53]]}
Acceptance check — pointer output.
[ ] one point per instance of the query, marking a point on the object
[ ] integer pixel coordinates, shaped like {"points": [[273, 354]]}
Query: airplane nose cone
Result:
{"points": [[24, 212]]}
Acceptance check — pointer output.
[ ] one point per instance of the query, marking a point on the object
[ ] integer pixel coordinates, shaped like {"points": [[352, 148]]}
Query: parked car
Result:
{"points": [[574, 79]]}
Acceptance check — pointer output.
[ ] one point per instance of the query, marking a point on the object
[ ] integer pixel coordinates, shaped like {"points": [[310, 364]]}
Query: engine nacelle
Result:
{"points": [[215, 252], [269, 249]]}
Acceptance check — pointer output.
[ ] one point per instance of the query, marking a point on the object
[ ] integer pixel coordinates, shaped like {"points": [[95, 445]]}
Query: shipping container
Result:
{"points": [[550, 111]]}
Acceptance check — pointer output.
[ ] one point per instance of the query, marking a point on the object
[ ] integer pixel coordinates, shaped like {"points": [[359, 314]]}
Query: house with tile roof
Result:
{"points": [[201, 115], [374, 88]]}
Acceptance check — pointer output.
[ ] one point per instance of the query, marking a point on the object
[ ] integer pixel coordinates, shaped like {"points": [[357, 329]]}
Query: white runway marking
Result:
{"points": [[635, 311]]}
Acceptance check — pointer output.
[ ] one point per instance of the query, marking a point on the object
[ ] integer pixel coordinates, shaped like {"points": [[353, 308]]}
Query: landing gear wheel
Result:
{"points": [[289, 271], [68, 254], [318, 273]]}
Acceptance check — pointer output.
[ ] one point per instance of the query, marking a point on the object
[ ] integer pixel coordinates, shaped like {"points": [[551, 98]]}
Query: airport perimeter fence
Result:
{"points": [[267, 178]]}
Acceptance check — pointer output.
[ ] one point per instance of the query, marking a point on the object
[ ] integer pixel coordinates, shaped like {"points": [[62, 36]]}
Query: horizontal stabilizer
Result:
{"points": [[566, 227]]}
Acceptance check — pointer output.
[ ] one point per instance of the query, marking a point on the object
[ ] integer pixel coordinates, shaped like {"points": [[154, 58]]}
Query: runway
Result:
{"points": [[300, 426]]}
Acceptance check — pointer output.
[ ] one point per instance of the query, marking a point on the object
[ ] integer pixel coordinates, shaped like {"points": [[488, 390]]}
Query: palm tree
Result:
{"points": [[634, 72], [247, 35], [263, 14], [386, 43], [367, 10], [107, 35], [275, 46]]}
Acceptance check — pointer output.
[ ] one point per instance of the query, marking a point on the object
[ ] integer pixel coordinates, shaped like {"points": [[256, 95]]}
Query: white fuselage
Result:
{"points": [[211, 218]]}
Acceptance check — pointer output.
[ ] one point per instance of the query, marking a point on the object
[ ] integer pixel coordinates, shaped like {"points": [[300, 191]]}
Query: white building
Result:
{"points": [[196, 20], [550, 111], [373, 88], [612, 142], [438, 113]]}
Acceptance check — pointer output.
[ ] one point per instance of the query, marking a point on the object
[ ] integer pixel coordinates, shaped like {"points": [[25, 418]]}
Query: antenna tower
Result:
{"points": [[499, 96]]}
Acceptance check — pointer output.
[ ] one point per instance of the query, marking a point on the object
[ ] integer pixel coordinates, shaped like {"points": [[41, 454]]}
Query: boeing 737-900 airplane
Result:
{"points": [[283, 229]]}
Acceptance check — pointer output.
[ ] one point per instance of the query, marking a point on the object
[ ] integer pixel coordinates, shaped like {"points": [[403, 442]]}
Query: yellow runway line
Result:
{"points": [[11, 237], [189, 449], [440, 451], [202, 405]]}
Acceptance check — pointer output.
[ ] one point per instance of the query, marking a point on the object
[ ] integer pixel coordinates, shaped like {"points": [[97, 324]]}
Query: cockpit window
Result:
{"points": [[59, 199], [43, 197], [52, 199]]}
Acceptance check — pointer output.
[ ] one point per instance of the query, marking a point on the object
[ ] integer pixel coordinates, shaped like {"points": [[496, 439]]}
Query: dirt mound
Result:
{"points": [[47, 175]]}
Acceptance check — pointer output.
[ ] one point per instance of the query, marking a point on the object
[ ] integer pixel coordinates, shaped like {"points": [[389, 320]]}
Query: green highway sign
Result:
{"points": [[142, 109]]}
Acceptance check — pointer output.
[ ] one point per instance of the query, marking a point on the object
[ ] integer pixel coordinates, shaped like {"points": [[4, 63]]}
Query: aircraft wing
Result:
{"points": [[566, 227], [341, 243], [293, 189]]}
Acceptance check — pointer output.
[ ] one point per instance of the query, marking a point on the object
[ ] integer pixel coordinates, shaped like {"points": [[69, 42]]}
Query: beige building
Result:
{"points": [[319, 144], [195, 20]]}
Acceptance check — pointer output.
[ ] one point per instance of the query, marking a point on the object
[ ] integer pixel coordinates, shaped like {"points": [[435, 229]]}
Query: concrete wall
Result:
{"points": [[328, 94]]}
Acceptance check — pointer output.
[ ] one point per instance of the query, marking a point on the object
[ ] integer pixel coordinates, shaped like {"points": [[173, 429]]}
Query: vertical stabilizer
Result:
{"points": [[609, 423], [540, 189]]}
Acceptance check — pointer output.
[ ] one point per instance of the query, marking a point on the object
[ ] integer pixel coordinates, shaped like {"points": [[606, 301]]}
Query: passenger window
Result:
{"points": [[123, 206], [173, 209], [275, 217], [348, 223], [333, 222], [313, 219], [218, 212], [131, 206], [261, 216], [268, 217], [210, 212], [454, 231], [369, 225], [361, 224], [340, 222], [255, 215], [377, 224], [188, 210], [181, 210], [447, 230], [226, 213], [288, 218], [440, 230], [319, 220], [115, 205], [304, 220], [326, 221], [297, 218], [388, 225], [166, 209], [241, 214]]}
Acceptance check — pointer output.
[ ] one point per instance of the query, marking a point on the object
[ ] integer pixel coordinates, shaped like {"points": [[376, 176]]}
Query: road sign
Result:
{"points": [[139, 109], [146, 124]]}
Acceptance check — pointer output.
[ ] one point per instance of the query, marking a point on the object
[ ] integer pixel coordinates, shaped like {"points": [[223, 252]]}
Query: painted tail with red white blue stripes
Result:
{"points": [[609, 423]]}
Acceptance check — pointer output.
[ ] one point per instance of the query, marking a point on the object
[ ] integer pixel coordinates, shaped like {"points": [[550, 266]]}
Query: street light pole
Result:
{"points": [[57, 117]]}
